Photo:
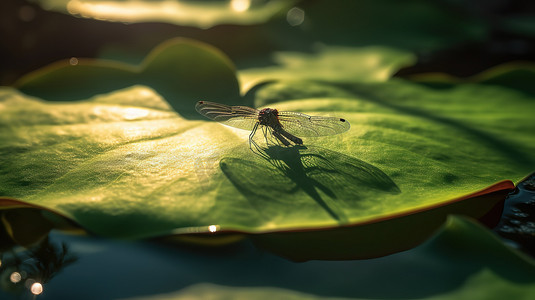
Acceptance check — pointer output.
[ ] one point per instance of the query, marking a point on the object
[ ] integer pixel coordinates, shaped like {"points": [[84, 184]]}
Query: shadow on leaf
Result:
{"points": [[272, 180]]}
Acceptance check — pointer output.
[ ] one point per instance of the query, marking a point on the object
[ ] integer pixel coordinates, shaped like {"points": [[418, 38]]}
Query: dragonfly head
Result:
{"points": [[269, 117]]}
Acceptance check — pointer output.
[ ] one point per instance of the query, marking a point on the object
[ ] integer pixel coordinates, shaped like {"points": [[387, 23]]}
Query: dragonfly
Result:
{"points": [[284, 126]]}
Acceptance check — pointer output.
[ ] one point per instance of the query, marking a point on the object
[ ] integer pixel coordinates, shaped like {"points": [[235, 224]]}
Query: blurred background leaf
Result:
{"points": [[203, 14], [182, 70], [458, 38]]}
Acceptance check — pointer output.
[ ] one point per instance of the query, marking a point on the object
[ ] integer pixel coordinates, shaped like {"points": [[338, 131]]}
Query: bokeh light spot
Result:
{"points": [[36, 288], [212, 228], [15, 277], [73, 61], [295, 16]]}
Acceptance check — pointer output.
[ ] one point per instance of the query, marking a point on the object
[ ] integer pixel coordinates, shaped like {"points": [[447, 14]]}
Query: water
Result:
{"points": [[517, 225]]}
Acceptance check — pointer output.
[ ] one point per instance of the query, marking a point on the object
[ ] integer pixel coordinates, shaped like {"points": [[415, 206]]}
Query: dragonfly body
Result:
{"points": [[284, 126], [270, 117]]}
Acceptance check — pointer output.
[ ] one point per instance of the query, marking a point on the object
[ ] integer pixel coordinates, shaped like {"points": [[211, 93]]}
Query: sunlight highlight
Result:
{"points": [[204, 14], [213, 228], [240, 5], [125, 11], [132, 113], [146, 92]]}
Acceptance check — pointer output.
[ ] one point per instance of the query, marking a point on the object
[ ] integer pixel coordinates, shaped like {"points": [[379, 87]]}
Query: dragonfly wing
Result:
{"points": [[242, 117], [300, 124]]}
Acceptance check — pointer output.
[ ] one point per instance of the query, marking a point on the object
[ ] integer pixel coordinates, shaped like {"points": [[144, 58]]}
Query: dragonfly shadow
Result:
{"points": [[274, 181]]}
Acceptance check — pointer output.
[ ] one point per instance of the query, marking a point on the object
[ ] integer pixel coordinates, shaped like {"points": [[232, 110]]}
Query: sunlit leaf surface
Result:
{"points": [[202, 14], [125, 164]]}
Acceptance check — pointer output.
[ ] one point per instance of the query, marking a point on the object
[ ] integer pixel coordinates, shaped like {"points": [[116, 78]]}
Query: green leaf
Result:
{"points": [[125, 164], [337, 63], [497, 118], [203, 14], [515, 75], [181, 70]]}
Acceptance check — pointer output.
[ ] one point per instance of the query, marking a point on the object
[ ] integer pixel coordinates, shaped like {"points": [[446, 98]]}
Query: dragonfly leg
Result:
{"points": [[251, 135], [265, 132], [281, 138], [253, 146]]}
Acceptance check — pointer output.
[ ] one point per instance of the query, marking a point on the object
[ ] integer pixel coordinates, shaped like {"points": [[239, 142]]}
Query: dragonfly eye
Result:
{"points": [[267, 111]]}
